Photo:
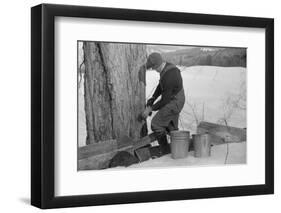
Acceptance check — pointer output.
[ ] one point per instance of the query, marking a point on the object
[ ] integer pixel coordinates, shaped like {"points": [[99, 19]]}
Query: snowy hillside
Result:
{"points": [[209, 91]]}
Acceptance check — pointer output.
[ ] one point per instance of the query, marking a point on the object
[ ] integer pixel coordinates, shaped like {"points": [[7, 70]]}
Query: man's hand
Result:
{"points": [[146, 112]]}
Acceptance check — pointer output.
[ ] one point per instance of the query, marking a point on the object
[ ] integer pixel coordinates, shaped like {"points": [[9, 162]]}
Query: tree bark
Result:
{"points": [[114, 90]]}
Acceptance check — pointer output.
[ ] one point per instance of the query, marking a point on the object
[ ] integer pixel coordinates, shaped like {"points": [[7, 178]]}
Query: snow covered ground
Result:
{"points": [[236, 155], [207, 90]]}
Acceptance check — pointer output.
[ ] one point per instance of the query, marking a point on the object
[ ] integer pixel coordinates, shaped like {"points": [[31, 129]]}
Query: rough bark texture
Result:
{"points": [[114, 90]]}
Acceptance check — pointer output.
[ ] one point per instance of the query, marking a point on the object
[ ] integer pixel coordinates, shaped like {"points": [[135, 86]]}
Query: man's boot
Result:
{"points": [[163, 143]]}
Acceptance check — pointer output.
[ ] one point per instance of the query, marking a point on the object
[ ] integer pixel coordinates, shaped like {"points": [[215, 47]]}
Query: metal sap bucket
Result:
{"points": [[202, 145], [179, 144]]}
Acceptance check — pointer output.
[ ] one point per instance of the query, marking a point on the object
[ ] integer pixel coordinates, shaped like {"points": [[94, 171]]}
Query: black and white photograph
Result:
{"points": [[160, 105], [144, 105], [140, 106]]}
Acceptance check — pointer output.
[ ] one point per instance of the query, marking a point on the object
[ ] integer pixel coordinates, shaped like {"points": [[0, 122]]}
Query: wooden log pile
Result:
{"points": [[222, 134], [99, 155], [125, 151]]}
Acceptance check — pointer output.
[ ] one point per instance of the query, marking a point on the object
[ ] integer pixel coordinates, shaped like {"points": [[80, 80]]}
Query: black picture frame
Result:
{"points": [[43, 105]]}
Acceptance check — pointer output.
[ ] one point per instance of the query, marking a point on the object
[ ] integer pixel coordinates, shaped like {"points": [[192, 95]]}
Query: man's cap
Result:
{"points": [[154, 60]]}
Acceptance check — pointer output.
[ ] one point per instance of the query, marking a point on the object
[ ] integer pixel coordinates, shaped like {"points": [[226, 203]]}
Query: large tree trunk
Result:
{"points": [[114, 90]]}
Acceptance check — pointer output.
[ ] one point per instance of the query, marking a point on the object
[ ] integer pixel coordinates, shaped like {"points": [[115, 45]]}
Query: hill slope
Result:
{"points": [[225, 57]]}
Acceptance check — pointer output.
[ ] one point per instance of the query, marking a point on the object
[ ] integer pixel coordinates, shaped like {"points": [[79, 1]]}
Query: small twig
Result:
{"points": [[181, 123], [80, 74], [227, 152], [227, 145]]}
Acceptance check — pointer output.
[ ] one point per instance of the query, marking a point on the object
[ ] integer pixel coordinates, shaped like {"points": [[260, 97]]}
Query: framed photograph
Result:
{"points": [[136, 106]]}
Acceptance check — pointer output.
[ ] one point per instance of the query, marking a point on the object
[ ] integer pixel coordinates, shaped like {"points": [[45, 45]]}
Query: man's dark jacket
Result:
{"points": [[170, 84]]}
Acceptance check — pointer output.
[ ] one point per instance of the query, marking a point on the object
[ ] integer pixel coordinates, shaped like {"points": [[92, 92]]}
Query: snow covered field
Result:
{"points": [[236, 155], [207, 90]]}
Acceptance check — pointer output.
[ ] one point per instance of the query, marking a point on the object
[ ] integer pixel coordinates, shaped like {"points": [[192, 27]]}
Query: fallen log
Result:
{"points": [[97, 149], [98, 156], [222, 134]]}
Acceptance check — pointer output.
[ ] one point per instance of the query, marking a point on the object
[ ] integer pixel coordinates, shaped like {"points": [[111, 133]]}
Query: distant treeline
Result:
{"points": [[225, 57]]}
